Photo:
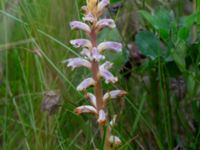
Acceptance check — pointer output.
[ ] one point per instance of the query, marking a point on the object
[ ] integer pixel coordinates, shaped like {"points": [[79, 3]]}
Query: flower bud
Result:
{"points": [[102, 117], [115, 141]]}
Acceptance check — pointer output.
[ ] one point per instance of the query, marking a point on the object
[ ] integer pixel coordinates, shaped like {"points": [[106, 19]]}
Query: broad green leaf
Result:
{"points": [[183, 33], [160, 20], [148, 44]]}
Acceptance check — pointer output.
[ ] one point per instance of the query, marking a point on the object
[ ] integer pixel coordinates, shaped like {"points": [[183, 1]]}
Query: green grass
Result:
{"points": [[150, 117]]}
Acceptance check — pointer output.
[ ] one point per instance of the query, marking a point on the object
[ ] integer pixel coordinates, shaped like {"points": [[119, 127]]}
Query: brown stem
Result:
{"points": [[95, 72], [98, 89], [107, 145]]}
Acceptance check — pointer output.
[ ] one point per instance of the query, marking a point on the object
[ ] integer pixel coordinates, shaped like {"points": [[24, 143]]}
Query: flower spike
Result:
{"points": [[93, 59]]}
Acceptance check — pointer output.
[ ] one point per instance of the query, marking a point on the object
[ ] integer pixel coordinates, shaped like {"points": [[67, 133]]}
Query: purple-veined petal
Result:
{"points": [[114, 140], [86, 52], [113, 46], [102, 117], [85, 84], [80, 25], [105, 23], [84, 43], [77, 62], [89, 17], [96, 55], [107, 65], [85, 109], [91, 98], [107, 75], [114, 94], [102, 5]]}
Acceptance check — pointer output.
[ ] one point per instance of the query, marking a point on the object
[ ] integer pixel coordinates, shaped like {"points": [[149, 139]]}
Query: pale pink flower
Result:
{"points": [[107, 75], [96, 55], [85, 109], [92, 99], [102, 23], [83, 43], [77, 62], [85, 84], [114, 94], [87, 53], [102, 5], [89, 18], [102, 117], [112, 46], [80, 26], [107, 65]]}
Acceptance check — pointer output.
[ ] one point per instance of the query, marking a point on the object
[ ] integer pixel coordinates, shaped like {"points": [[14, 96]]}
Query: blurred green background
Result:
{"points": [[160, 72]]}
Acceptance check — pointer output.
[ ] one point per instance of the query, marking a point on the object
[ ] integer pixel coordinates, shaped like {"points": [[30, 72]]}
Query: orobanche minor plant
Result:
{"points": [[93, 59]]}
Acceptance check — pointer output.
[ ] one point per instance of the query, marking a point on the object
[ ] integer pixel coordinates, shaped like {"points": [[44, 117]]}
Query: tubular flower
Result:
{"points": [[107, 75], [85, 109], [91, 98], [102, 5], [85, 84], [113, 46], [102, 117], [102, 23], [96, 55], [114, 94], [93, 59], [77, 62], [83, 43], [80, 26]]}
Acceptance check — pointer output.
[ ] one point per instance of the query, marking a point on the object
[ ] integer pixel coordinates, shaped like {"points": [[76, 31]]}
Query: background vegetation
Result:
{"points": [[159, 69]]}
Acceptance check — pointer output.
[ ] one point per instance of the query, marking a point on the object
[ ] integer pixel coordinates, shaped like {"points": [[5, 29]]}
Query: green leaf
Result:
{"points": [[160, 20], [148, 44], [179, 55], [183, 33]]}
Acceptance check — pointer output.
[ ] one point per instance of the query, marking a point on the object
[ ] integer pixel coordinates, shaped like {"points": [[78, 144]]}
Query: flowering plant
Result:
{"points": [[92, 59]]}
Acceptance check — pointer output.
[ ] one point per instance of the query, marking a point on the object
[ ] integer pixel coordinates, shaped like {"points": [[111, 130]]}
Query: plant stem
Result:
{"points": [[98, 89], [95, 72]]}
